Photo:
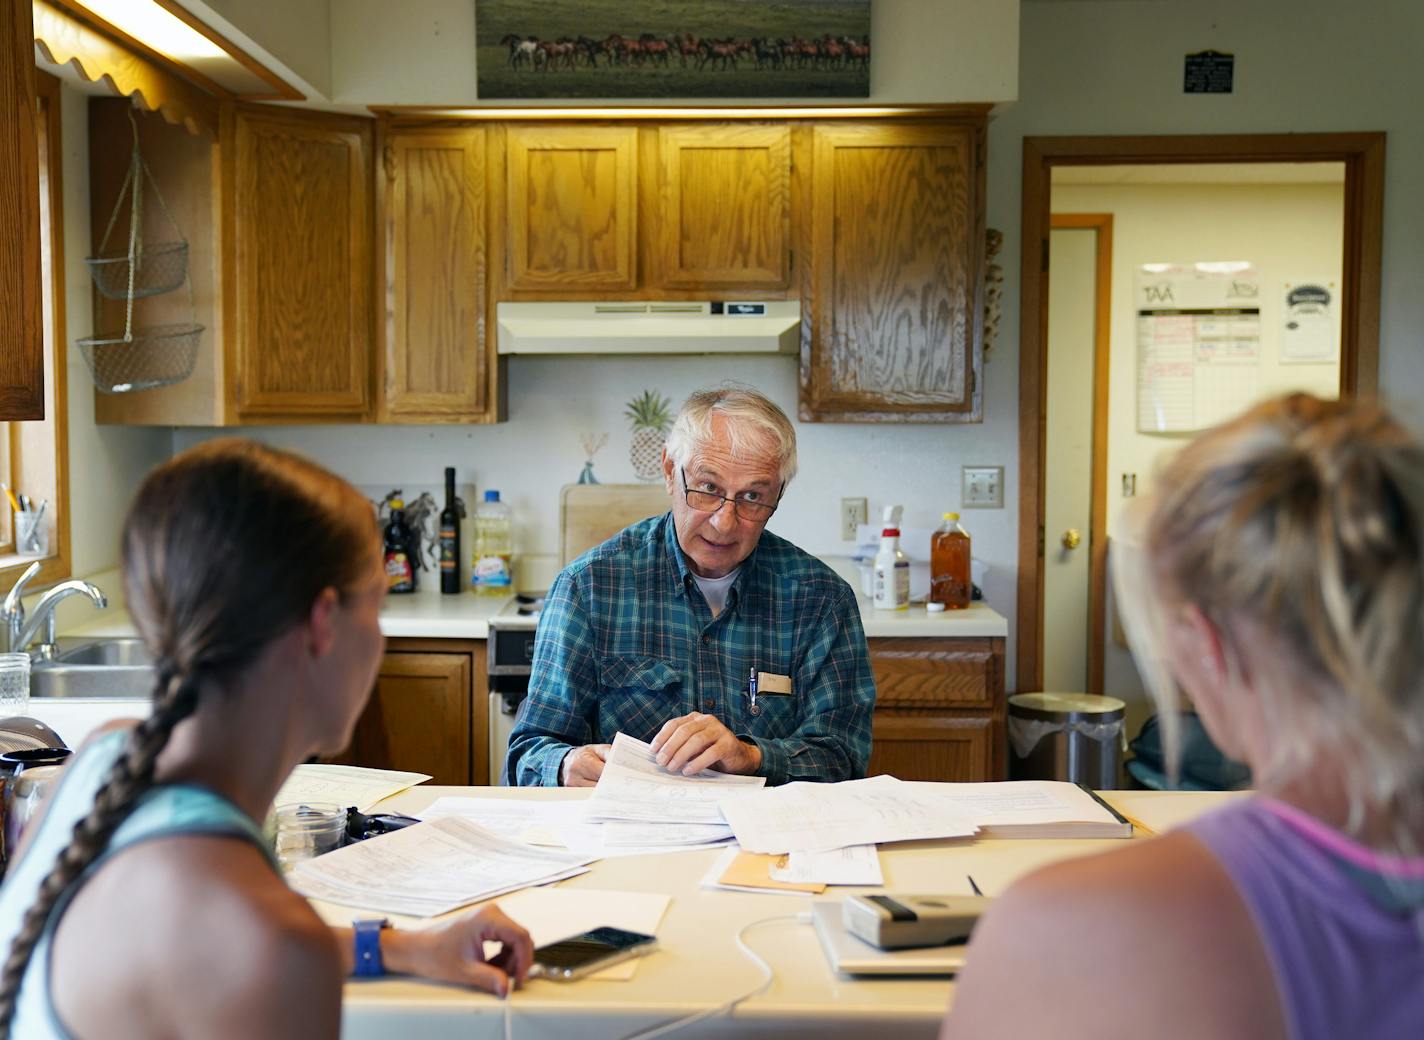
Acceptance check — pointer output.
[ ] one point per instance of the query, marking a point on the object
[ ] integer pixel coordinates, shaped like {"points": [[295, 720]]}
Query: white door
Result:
{"points": [[1068, 463]]}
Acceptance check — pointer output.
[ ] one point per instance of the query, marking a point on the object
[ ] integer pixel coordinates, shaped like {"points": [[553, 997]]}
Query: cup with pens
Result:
{"points": [[31, 534]]}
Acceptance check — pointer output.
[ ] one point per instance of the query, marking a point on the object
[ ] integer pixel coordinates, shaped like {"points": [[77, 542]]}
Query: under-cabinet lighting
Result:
{"points": [[154, 26], [655, 112]]}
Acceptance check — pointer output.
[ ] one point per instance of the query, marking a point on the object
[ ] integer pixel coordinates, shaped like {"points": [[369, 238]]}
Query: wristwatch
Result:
{"points": [[368, 947]]}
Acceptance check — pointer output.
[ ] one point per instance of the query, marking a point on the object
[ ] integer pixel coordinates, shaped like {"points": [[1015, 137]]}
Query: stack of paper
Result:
{"points": [[634, 787], [817, 817], [430, 868], [796, 871], [344, 785], [1033, 809], [564, 824]]}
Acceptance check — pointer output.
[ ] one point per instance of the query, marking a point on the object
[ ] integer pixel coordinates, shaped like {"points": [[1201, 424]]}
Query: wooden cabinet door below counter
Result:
{"points": [[930, 747], [722, 213], [571, 194], [418, 718]]}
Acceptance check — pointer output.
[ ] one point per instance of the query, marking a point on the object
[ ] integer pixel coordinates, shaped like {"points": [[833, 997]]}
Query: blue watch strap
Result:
{"points": [[368, 947]]}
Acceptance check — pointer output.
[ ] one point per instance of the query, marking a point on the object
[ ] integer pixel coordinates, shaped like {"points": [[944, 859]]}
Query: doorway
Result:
{"points": [[1043, 558]]}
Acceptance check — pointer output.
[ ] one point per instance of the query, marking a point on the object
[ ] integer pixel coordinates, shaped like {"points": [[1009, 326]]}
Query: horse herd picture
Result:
{"points": [[672, 48]]}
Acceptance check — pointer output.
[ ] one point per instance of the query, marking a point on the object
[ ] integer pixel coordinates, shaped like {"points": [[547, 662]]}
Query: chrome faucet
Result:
{"points": [[19, 633]]}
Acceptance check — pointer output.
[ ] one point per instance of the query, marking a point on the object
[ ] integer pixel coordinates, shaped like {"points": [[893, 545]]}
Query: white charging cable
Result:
{"points": [[768, 976]]}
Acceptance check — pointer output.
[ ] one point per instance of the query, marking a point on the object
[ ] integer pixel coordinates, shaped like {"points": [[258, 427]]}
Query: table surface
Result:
{"points": [[698, 965]]}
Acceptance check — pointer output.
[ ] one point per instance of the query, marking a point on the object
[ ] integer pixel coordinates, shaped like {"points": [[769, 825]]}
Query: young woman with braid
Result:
{"points": [[145, 904], [1279, 578]]}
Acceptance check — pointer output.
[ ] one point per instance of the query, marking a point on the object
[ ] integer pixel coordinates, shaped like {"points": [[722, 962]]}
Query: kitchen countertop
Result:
{"points": [[430, 615]]}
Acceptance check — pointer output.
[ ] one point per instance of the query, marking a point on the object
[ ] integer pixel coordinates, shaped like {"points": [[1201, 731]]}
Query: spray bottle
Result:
{"points": [[892, 567]]}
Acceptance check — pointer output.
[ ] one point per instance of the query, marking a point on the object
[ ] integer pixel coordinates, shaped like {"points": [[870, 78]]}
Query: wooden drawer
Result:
{"points": [[936, 673]]}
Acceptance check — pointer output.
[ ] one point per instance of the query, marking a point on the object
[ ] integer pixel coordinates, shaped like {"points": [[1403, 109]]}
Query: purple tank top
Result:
{"points": [[1343, 928]]}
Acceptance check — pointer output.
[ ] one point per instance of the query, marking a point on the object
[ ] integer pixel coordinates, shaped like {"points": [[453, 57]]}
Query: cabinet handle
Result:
{"points": [[1071, 538]]}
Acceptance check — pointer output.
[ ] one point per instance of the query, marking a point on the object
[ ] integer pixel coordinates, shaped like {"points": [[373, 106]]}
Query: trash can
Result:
{"points": [[1066, 736]]}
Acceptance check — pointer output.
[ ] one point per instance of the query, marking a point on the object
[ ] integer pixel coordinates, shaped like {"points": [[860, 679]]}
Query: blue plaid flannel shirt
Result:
{"points": [[626, 642]]}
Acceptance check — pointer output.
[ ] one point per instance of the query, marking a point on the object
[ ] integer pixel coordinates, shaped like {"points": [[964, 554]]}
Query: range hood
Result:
{"points": [[650, 327]]}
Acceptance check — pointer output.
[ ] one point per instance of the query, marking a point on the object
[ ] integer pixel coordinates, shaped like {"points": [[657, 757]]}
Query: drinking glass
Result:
{"points": [[14, 684], [302, 831]]}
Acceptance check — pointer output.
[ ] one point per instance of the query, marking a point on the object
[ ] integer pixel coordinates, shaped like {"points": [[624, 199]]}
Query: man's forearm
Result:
{"points": [[819, 759], [537, 760]]}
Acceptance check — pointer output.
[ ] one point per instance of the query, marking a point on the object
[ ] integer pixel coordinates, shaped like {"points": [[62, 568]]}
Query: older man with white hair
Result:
{"points": [[725, 646]]}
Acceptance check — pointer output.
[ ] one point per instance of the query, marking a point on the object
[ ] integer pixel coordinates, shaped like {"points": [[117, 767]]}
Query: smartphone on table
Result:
{"points": [[581, 955]]}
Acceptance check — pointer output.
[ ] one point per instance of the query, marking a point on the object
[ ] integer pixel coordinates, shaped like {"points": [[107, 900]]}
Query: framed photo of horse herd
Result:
{"points": [[672, 48]]}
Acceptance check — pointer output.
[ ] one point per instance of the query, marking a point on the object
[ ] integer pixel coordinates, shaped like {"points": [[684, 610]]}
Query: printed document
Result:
{"points": [[344, 785], [634, 787], [430, 868], [852, 865], [817, 817]]}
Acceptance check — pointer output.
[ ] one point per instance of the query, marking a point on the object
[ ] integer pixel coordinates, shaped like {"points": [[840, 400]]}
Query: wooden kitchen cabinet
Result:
{"points": [[300, 254], [22, 359], [279, 219], [893, 294], [439, 361], [940, 709], [428, 713], [721, 215], [571, 208]]}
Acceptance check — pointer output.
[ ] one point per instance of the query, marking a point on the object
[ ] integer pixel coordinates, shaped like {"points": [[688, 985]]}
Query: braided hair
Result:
{"points": [[224, 548]]}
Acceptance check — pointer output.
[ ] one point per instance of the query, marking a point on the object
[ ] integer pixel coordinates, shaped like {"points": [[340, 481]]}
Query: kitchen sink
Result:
{"points": [[97, 668]]}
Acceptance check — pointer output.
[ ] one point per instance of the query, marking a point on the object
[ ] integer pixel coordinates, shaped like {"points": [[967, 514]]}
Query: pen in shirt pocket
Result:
{"points": [[755, 709]]}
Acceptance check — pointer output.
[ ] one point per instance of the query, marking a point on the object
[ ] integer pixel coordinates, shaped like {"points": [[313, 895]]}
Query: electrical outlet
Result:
{"points": [[854, 512], [983, 487]]}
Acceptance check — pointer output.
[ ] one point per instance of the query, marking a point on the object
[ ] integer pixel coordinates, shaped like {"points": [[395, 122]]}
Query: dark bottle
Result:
{"points": [[400, 569], [450, 537]]}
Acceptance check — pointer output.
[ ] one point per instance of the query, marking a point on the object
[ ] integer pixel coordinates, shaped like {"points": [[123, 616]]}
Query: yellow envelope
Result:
{"points": [[753, 870]]}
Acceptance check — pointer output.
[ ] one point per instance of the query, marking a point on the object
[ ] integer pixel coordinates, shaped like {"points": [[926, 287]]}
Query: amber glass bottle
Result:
{"points": [[949, 565]]}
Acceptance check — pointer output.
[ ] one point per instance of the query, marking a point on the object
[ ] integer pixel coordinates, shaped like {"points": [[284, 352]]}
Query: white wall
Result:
{"points": [[105, 462], [554, 400], [422, 52]]}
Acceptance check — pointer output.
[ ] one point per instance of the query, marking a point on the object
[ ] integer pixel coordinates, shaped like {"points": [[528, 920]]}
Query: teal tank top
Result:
{"points": [[165, 811]]}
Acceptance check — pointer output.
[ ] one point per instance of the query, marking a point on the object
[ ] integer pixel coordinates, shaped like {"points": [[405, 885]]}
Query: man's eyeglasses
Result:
{"points": [[707, 502]]}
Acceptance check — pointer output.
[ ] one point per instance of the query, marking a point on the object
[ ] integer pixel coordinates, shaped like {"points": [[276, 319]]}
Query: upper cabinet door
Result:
{"points": [[302, 265], [895, 280], [22, 357], [572, 208], [724, 207], [437, 368]]}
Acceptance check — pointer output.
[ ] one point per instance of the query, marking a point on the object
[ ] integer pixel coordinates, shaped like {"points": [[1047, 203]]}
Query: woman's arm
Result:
{"points": [[454, 952]]}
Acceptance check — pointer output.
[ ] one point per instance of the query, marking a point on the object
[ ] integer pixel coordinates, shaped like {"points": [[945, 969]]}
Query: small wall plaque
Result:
{"points": [[1208, 72]]}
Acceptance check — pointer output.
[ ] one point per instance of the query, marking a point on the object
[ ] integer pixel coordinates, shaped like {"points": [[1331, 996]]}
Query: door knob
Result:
{"points": [[1071, 538]]}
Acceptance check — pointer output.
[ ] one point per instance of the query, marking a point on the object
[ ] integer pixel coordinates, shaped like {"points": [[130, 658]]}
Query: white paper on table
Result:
{"points": [[713, 878], [562, 825], [344, 785], [817, 817], [530, 822], [550, 915], [852, 865], [429, 868], [634, 787]]}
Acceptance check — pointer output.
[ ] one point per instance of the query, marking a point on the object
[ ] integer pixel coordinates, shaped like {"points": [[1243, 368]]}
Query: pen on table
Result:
{"points": [[973, 887]]}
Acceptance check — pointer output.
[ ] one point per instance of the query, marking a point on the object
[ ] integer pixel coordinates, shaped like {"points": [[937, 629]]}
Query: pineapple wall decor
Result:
{"points": [[651, 415]]}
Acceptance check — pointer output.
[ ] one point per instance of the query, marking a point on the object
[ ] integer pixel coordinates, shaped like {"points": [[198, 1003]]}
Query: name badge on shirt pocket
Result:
{"points": [[769, 684]]}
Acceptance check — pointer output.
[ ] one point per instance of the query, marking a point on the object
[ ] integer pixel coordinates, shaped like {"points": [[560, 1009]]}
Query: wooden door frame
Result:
{"points": [[1363, 156], [1102, 225]]}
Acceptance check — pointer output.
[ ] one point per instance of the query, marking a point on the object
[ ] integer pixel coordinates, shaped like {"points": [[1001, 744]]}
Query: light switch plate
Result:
{"points": [[983, 487]]}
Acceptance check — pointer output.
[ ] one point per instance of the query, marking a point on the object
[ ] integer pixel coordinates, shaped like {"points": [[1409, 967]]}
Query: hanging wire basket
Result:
{"points": [[151, 356], [143, 357], [153, 269]]}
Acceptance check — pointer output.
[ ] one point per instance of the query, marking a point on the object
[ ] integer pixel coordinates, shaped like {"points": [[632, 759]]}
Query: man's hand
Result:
{"points": [[696, 742], [456, 952], [583, 765]]}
